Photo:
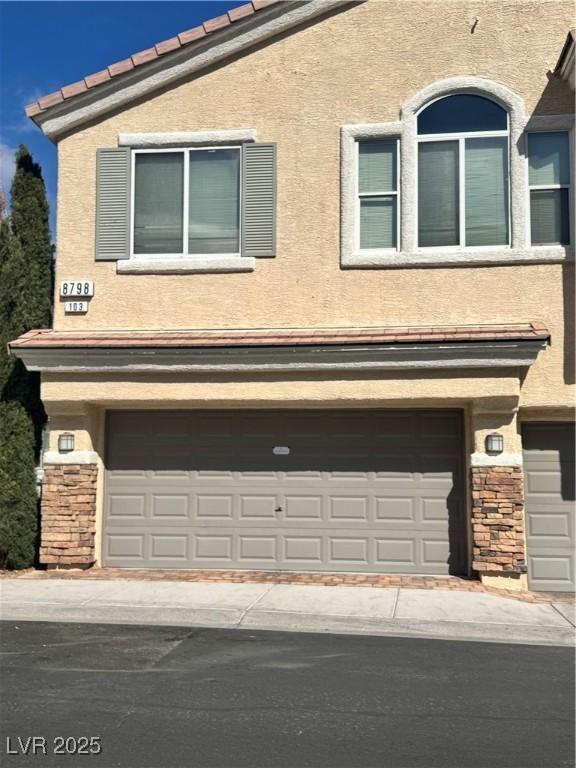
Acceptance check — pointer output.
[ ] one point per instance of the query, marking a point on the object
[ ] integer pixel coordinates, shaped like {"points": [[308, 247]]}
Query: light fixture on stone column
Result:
{"points": [[65, 442], [494, 443]]}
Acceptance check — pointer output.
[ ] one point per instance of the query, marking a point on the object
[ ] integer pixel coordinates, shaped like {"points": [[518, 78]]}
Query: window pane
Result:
{"points": [[438, 220], [378, 222], [214, 201], [158, 201], [486, 191], [377, 166], [460, 113], [549, 216], [549, 158]]}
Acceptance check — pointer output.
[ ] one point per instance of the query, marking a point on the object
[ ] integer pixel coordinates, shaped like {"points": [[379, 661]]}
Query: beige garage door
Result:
{"points": [[550, 509], [296, 490]]}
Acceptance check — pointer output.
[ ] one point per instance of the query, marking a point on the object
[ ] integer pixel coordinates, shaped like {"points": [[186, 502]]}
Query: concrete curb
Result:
{"points": [[226, 618]]}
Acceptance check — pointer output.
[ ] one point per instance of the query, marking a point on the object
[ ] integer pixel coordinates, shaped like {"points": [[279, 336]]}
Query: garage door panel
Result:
{"points": [[213, 547], [436, 425], [345, 496], [349, 508], [396, 551], [393, 426], [435, 553], [210, 506], [548, 525], [257, 548], [170, 506], [171, 547], [434, 510], [123, 505], [301, 550], [303, 508], [396, 509], [544, 482], [349, 550], [126, 546], [552, 573], [550, 508]]}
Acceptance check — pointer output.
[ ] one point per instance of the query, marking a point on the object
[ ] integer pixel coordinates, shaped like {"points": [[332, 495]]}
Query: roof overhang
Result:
{"points": [[566, 62], [66, 110], [281, 351]]}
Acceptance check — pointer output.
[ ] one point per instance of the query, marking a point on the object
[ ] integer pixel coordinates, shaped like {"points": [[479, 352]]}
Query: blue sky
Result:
{"points": [[45, 45]]}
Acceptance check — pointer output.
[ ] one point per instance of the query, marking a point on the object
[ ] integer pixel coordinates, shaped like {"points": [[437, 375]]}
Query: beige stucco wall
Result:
{"points": [[356, 66]]}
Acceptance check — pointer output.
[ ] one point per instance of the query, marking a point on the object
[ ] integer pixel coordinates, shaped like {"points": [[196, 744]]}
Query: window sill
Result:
{"points": [[185, 266], [458, 257]]}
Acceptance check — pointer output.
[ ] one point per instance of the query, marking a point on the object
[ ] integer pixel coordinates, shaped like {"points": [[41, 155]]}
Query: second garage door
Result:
{"points": [[550, 507], [306, 490]]}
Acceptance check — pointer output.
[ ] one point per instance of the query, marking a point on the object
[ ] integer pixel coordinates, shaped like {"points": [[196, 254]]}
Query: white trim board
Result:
{"points": [[184, 265], [186, 138]]}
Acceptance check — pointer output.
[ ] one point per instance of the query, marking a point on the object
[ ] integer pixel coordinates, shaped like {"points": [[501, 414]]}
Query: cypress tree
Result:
{"points": [[26, 276], [18, 502], [30, 226]]}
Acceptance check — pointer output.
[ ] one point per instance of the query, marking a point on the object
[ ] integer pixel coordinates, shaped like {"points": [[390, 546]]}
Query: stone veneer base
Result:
{"points": [[498, 521], [68, 512]]}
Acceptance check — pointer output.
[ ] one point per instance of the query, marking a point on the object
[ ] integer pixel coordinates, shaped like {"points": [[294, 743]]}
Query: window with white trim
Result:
{"points": [[549, 181], [378, 207], [186, 202], [463, 173]]}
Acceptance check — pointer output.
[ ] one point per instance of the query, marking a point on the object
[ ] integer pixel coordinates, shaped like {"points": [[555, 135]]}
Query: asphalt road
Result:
{"points": [[178, 698]]}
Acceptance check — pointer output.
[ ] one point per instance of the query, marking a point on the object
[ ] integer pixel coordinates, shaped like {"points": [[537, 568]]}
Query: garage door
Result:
{"points": [[550, 509], [298, 490]]}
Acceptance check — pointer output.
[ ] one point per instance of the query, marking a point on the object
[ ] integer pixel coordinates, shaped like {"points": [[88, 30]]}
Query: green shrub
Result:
{"points": [[18, 498]]}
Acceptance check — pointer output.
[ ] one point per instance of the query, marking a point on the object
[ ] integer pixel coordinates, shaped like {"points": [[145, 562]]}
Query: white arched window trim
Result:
{"points": [[408, 254]]}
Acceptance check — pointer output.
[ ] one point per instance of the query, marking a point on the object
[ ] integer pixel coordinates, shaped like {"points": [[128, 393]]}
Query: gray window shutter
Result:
{"points": [[113, 204], [259, 200]]}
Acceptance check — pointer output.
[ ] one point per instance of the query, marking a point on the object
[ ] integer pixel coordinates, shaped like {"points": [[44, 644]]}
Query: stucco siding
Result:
{"points": [[358, 65]]}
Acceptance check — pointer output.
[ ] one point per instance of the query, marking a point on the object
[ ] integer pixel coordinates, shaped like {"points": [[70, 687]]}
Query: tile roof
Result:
{"points": [[50, 339], [184, 39]]}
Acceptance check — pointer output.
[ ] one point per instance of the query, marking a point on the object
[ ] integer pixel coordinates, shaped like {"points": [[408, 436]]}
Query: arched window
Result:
{"points": [[463, 173]]}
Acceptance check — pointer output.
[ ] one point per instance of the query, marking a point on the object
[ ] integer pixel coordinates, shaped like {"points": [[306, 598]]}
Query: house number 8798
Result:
{"points": [[77, 288]]}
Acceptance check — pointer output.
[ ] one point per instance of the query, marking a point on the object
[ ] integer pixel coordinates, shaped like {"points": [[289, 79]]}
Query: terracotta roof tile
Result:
{"points": [[241, 12], [209, 27], [189, 35], [167, 45], [282, 337], [51, 100], [97, 78], [120, 67], [219, 22], [73, 90], [143, 56], [33, 109]]}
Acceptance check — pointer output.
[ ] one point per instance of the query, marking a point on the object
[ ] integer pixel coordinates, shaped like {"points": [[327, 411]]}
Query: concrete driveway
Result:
{"points": [[377, 611]]}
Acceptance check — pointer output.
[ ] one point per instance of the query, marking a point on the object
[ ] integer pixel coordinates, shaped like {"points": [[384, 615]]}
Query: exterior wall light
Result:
{"points": [[65, 442], [494, 443]]}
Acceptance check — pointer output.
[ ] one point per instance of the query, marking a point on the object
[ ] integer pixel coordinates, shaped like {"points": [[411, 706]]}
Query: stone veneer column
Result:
{"points": [[68, 510], [498, 520]]}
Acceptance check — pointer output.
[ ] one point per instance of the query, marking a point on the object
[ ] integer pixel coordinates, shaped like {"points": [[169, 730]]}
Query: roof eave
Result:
{"points": [[123, 89], [565, 65], [504, 353]]}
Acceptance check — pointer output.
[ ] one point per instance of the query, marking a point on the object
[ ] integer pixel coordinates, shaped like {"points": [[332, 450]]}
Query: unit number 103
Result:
{"points": [[76, 288]]}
